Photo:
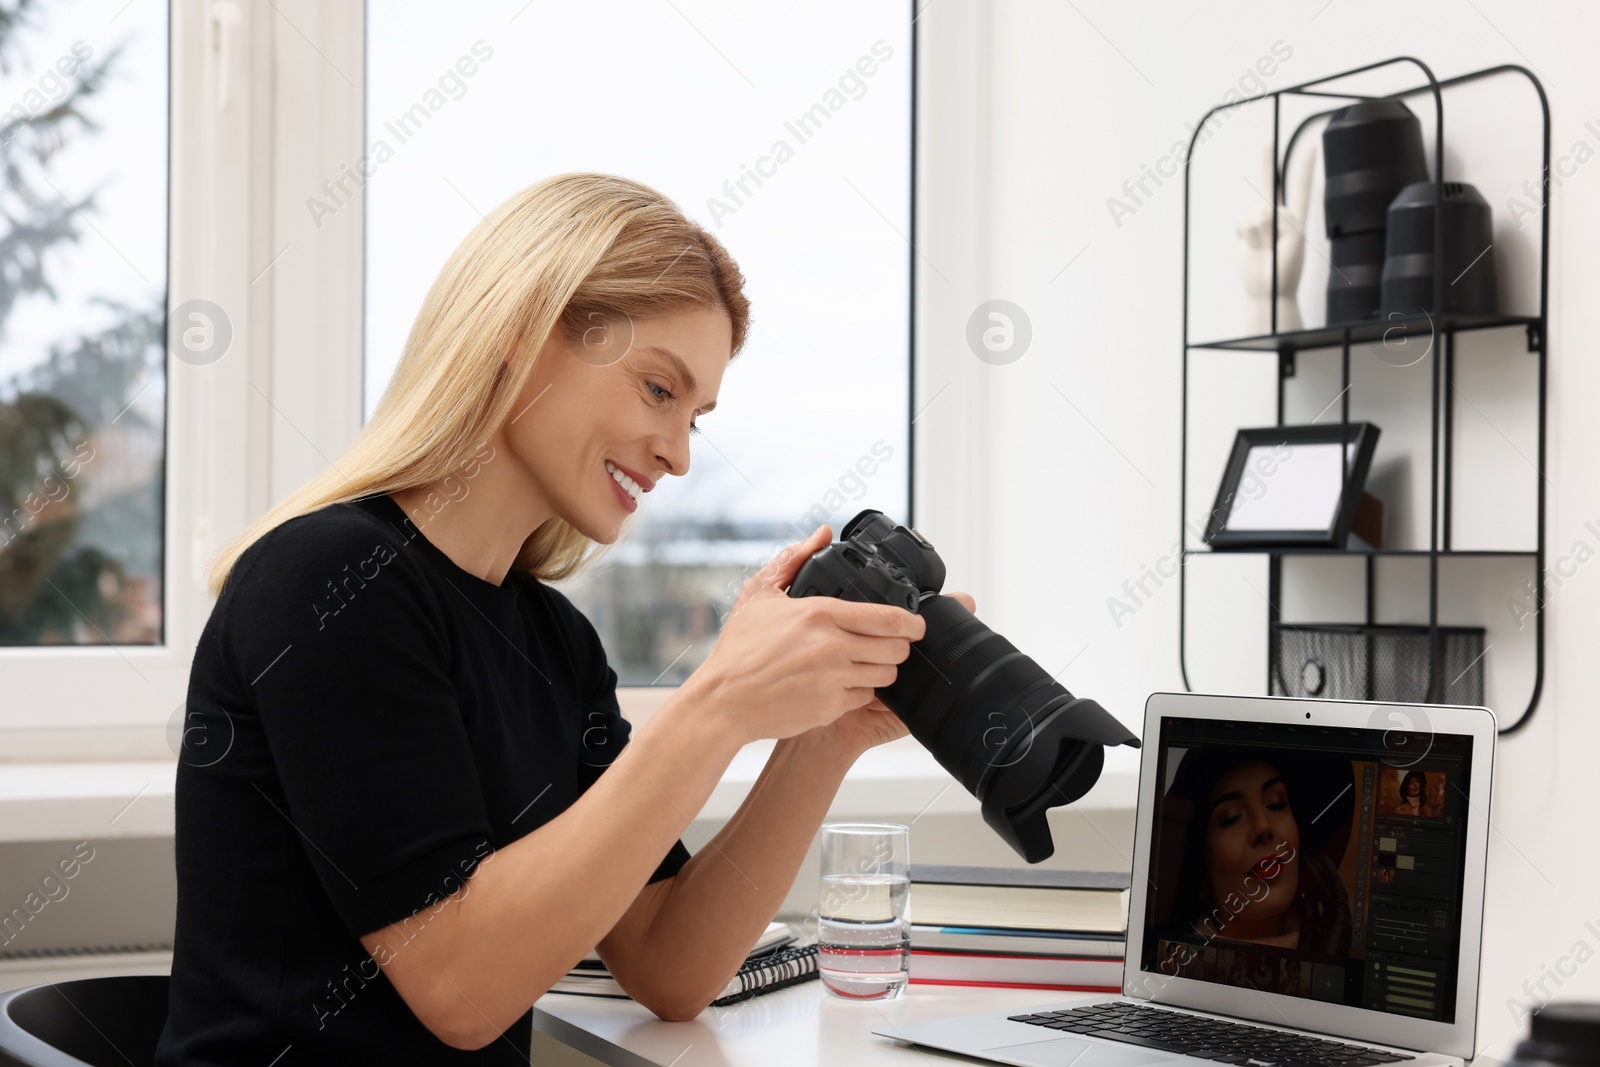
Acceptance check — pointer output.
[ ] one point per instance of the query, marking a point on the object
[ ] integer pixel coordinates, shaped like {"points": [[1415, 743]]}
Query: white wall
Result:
{"points": [[1072, 499]]}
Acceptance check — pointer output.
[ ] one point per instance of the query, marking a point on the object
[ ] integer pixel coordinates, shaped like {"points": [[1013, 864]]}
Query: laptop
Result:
{"points": [[1308, 881]]}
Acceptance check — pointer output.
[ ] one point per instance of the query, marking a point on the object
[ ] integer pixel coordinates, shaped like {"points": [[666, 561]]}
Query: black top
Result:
{"points": [[366, 722]]}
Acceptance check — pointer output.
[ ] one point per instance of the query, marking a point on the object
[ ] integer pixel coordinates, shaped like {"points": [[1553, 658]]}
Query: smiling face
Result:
{"points": [[622, 399], [1252, 840]]}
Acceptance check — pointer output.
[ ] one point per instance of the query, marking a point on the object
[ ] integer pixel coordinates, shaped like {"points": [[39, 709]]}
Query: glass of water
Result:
{"points": [[863, 932]]}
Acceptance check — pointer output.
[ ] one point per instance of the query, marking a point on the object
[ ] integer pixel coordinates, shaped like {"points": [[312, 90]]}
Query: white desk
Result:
{"points": [[803, 1024]]}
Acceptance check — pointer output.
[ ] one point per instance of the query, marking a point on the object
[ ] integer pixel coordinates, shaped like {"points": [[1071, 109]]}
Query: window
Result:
{"points": [[786, 131], [83, 283]]}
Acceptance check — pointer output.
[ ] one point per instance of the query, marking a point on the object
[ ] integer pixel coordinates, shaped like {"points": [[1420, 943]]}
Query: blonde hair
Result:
{"points": [[558, 253]]}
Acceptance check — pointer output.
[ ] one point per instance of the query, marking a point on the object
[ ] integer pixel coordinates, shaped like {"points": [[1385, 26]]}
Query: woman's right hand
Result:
{"points": [[783, 665]]}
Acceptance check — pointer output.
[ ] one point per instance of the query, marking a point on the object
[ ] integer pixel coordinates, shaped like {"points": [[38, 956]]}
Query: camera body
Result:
{"points": [[1012, 735]]}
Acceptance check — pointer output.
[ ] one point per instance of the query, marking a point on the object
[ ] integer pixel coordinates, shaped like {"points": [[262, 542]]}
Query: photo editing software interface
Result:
{"points": [[1310, 861]]}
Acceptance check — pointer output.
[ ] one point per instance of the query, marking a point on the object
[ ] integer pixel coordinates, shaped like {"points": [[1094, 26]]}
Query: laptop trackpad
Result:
{"points": [[1071, 1052]]}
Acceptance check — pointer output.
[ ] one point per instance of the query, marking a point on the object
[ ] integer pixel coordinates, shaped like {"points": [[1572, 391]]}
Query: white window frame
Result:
{"points": [[258, 119], [266, 104]]}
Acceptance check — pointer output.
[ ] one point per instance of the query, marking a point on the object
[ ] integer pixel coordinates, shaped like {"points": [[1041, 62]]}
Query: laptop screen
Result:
{"points": [[1310, 861]]}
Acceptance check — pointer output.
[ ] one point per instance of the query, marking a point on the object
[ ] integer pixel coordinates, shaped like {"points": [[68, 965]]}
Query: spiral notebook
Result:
{"points": [[776, 962]]}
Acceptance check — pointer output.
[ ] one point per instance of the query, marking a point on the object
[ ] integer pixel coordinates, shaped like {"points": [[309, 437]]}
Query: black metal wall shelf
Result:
{"points": [[1439, 329], [1340, 334], [1349, 553]]}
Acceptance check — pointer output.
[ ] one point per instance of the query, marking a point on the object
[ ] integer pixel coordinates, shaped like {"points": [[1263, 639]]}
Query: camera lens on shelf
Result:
{"points": [[1371, 150], [1355, 276], [1470, 280]]}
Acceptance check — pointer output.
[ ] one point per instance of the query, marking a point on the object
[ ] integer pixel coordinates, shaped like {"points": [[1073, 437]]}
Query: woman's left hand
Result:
{"points": [[873, 724]]}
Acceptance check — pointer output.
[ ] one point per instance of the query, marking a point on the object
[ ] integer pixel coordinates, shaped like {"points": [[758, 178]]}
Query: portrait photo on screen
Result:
{"points": [[1412, 792], [1251, 844], [1302, 861]]}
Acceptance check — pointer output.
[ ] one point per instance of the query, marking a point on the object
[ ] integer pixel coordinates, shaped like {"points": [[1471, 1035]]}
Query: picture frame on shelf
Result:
{"points": [[1292, 487]]}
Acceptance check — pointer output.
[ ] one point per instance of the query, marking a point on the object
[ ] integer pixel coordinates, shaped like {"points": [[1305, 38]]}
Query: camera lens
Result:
{"points": [[1012, 735], [1370, 151], [1002, 726]]}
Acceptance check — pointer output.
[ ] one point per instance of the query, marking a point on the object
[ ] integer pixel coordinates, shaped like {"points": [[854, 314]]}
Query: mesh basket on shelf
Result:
{"points": [[1340, 661]]}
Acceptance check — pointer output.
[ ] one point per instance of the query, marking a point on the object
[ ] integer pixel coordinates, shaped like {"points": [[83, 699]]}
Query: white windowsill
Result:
{"points": [[97, 800], [899, 780], [86, 800], [902, 780]]}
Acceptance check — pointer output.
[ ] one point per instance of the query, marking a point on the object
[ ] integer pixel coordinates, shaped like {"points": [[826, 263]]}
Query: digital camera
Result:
{"points": [[1012, 735]]}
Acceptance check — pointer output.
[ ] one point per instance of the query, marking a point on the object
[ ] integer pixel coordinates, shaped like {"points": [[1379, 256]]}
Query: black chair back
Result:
{"points": [[89, 1022]]}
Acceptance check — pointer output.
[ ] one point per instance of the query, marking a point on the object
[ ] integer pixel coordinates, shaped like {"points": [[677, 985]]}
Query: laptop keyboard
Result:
{"points": [[1207, 1038]]}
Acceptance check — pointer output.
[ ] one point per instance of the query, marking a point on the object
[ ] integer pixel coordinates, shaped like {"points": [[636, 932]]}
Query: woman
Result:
{"points": [[396, 834], [1236, 969], [1263, 973], [1413, 795], [1295, 981], [1247, 873]]}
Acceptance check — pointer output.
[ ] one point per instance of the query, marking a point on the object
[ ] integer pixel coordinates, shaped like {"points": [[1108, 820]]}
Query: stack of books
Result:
{"points": [[1018, 927], [778, 959]]}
